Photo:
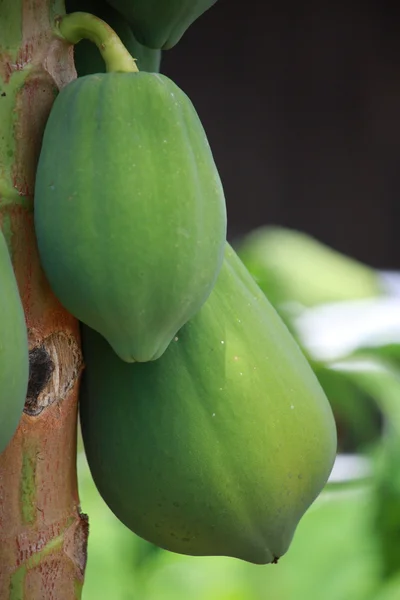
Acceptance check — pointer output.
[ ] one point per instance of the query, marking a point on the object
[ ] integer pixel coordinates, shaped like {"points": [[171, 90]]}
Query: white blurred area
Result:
{"points": [[331, 331], [350, 467]]}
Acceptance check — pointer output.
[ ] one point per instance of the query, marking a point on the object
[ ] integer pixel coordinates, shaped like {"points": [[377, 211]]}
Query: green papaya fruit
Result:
{"points": [[130, 212], [88, 58], [221, 445], [161, 23], [14, 354], [291, 266]]}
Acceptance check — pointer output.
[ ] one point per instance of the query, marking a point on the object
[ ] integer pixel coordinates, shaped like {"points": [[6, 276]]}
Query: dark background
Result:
{"points": [[301, 103]]}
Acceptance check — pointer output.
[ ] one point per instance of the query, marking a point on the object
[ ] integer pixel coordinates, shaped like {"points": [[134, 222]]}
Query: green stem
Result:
{"points": [[80, 25]]}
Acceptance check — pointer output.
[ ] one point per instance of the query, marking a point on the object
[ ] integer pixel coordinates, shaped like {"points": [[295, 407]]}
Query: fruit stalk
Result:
{"points": [[43, 535], [80, 25]]}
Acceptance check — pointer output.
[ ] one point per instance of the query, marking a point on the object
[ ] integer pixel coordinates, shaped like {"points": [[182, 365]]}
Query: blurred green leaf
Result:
{"points": [[388, 352], [379, 379], [357, 417], [390, 591], [382, 380]]}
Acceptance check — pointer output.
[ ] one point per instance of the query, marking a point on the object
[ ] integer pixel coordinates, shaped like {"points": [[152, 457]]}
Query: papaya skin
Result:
{"points": [[14, 354], [220, 446], [130, 213], [88, 58], [161, 23]]}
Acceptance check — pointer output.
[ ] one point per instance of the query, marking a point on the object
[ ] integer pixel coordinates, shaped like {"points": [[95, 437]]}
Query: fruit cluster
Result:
{"points": [[205, 429]]}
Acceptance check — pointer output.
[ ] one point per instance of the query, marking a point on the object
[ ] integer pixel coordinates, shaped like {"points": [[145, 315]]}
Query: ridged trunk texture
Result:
{"points": [[43, 535]]}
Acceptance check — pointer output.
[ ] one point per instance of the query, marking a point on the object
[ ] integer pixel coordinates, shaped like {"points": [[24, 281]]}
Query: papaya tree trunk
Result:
{"points": [[43, 535]]}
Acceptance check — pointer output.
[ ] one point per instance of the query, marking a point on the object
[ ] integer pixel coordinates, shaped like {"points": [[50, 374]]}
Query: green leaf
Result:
{"points": [[382, 381]]}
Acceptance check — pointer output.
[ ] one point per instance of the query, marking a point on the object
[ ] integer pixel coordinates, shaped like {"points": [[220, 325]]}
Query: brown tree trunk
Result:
{"points": [[43, 535]]}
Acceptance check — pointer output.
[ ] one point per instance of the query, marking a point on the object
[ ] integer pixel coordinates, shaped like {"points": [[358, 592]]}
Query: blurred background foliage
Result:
{"points": [[346, 318]]}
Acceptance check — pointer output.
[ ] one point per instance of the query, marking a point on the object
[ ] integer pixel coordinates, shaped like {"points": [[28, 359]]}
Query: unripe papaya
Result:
{"points": [[88, 58], [14, 354], [130, 213], [221, 445], [291, 266], [161, 23]]}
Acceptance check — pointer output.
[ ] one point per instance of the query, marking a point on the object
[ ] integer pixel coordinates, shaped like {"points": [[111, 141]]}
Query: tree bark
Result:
{"points": [[43, 535]]}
